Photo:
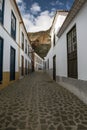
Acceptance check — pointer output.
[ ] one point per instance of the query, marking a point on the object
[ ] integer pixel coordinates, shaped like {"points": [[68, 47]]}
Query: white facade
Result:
{"points": [[23, 52], [5, 33], [9, 42], [38, 62], [61, 47], [76, 85], [57, 23]]}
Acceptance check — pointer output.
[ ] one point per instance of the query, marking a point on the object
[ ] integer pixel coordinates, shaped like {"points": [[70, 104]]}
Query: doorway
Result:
{"points": [[54, 68], [22, 65], [12, 64], [72, 53], [1, 59]]}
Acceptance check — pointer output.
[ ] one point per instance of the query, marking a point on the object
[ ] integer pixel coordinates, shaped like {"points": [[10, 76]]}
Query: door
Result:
{"points": [[12, 64], [1, 59], [54, 68], [22, 65], [72, 53], [26, 67]]}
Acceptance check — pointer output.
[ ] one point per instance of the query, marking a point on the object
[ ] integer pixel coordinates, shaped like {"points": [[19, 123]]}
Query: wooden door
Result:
{"points": [[72, 53], [12, 63], [26, 67], [54, 68], [22, 65]]}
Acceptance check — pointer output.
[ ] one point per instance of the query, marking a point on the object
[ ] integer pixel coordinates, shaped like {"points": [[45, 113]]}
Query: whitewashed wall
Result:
{"points": [[49, 56], [22, 52], [78, 87], [61, 47], [8, 42], [38, 62], [81, 22], [5, 33], [59, 21], [60, 50], [8, 7]]}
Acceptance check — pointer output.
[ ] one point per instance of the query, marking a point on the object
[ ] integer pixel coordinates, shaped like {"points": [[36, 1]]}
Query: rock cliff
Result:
{"points": [[41, 42]]}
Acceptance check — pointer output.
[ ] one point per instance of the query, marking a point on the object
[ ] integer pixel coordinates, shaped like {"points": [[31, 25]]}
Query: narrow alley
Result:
{"points": [[38, 103]]}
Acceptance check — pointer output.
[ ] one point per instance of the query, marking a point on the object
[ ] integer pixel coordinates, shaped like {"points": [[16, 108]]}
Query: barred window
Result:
{"points": [[72, 53], [72, 43]]}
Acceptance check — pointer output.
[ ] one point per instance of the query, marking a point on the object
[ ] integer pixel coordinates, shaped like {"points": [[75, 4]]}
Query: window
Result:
{"points": [[22, 41], [13, 25], [72, 42], [26, 46], [1, 10], [72, 52]]}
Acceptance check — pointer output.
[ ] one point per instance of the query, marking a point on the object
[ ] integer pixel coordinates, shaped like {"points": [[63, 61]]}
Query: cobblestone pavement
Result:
{"points": [[38, 103]]}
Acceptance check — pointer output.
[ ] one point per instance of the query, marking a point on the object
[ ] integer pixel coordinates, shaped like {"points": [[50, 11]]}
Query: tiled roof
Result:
{"points": [[73, 12]]}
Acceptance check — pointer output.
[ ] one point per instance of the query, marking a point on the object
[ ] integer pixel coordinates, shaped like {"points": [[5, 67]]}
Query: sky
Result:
{"points": [[38, 14]]}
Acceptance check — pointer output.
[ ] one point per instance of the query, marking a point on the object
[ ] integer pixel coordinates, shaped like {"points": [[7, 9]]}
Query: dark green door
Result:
{"points": [[12, 64], [1, 58], [54, 68]]}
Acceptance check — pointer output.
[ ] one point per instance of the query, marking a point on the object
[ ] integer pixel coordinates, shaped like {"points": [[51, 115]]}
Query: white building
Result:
{"points": [[38, 62], [11, 51], [25, 51], [68, 54], [57, 23]]}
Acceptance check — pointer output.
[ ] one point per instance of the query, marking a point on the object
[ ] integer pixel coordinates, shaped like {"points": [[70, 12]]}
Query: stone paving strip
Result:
{"points": [[38, 103]]}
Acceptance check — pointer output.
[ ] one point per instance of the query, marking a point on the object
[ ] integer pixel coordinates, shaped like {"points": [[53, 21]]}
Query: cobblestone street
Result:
{"points": [[38, 103]]}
